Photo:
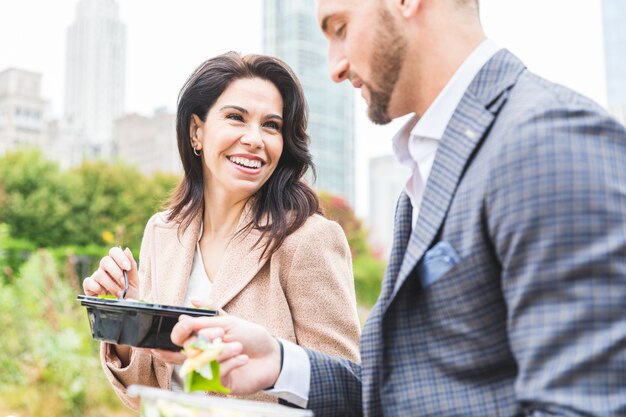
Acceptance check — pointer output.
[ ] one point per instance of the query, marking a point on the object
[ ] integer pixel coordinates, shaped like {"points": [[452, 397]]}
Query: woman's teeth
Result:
{"points": [[248, 163]]}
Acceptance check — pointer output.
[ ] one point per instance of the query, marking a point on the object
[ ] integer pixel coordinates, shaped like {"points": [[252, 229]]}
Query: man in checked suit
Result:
{"points": [[505, 294]]}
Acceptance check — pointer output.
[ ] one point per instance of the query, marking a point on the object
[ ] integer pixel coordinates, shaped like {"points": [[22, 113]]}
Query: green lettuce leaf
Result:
{"points": [[194, 381]]}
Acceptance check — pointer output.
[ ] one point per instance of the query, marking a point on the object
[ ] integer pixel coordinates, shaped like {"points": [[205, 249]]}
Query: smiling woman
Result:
{"points": [[240, 140], [242, 232]]}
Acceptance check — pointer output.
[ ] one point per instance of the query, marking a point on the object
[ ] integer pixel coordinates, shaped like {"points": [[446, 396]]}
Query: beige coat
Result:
{"points": [[304, 293]]}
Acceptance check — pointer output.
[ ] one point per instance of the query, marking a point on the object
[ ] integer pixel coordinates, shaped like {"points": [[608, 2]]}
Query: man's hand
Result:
{"points": [[250, 359]]}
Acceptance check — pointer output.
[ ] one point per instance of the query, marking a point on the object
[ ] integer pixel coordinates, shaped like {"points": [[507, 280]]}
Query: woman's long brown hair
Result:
{"points": [[285, 201]]}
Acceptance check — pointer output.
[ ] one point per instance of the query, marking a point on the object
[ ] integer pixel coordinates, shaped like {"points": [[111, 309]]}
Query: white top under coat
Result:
{"points": [[199, 288]]}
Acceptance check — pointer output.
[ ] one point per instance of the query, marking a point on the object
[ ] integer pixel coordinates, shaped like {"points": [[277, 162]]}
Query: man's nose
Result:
{"points": [[339, 71], [339, 66]]}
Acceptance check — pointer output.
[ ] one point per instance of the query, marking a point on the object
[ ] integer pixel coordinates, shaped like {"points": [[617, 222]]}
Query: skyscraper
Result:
{"points": [[148, 142], [21, 110], [387, 180], [290, 32], [95, 75], [613, 17]]}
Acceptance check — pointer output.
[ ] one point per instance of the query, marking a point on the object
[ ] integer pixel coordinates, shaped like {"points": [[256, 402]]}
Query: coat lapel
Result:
{"points": [[241, 263], [468, 127]]}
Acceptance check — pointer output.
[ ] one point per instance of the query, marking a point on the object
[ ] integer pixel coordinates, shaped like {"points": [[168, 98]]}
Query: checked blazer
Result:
{"points": [[508, 296]]}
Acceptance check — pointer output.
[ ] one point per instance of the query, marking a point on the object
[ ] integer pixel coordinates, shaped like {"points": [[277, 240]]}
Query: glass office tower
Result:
{"points": [[290, 32]]}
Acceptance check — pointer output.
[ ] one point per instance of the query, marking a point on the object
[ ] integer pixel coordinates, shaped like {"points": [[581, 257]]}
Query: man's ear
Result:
{"points": [[408, 8]]}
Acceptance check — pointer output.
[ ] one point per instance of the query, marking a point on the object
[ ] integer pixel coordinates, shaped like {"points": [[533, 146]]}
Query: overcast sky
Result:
{"points": [[559, 39]]}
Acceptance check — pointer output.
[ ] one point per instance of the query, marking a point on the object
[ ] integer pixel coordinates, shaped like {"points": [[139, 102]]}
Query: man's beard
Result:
{"points": [[389, 54]]}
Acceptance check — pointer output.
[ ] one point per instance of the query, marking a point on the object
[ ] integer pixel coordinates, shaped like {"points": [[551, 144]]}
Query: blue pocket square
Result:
{"points": [[436, 262]]}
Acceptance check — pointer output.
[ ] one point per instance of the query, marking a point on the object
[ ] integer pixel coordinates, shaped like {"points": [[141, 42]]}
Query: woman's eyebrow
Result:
{"points": [[273, 116], [231, 106], [244, 111]]}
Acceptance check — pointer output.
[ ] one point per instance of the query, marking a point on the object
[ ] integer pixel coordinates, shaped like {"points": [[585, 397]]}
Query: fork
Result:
{"points": [[122, 293]]}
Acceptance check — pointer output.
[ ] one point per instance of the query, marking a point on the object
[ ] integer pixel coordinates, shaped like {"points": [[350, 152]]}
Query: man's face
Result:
{"points": [[366, 46]]}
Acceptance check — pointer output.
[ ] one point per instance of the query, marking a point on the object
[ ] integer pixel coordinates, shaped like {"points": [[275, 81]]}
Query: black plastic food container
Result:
{"points": [[135, 323]]}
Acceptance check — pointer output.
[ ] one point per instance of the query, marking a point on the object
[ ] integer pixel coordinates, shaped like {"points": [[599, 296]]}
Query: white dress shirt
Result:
{"points": [[415, 146]]}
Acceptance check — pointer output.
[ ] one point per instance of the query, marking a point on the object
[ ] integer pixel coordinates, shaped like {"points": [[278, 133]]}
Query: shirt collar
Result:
{"points": [[437, 117]]}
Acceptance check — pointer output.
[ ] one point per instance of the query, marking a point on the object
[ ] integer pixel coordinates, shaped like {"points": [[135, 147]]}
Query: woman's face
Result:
{"points": [[241, 139]]}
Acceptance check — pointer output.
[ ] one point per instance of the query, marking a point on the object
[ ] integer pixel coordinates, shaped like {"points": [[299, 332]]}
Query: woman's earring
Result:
{"points": [[196, 152]]}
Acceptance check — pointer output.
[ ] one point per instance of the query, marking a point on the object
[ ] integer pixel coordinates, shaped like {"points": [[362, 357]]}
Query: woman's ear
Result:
{"points": [[195, 131]]}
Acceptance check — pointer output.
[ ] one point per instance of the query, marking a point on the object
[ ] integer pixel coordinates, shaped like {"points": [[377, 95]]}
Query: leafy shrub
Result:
{"points": [[368, 269], [368, 274], [48, 359]]}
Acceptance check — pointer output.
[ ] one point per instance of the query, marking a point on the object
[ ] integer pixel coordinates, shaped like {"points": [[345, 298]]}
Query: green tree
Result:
{"points": [[96, 203], [368, 269], [105, 206], [35, 198]]}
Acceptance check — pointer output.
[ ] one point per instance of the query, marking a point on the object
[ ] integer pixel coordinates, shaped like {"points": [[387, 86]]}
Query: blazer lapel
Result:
{"points": [[240, 264], [401, 234], [173, 259], [469, 125], [371, 344]]}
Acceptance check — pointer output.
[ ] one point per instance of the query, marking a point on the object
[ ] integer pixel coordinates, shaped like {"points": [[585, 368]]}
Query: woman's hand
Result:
{"points": [[250, 358], [109, 277]]}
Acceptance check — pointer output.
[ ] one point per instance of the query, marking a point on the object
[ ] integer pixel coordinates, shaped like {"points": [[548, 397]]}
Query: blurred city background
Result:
{"points": [[88, 152]]}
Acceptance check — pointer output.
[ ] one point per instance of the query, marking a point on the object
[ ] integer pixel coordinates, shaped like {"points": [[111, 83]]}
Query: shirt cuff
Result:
{"points": [[294, 381]]}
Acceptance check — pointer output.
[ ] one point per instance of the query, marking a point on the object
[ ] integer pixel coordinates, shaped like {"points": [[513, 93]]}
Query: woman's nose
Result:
{"points": [[253, 139]]}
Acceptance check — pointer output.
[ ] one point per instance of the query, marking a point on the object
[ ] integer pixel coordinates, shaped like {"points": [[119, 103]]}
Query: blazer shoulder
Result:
{"points": [[318, 225], [159, 219], [317, 231], [541, 116], [535, 98]]}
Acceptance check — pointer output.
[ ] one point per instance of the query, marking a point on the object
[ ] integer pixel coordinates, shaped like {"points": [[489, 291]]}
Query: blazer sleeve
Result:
{"points": [[319, 288], [335, 386], [143, 369], [557, 213]]}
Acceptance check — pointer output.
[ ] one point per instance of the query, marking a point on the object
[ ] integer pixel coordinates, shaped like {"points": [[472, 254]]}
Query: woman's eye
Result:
{"points": [[235, 116], [272, 125]]}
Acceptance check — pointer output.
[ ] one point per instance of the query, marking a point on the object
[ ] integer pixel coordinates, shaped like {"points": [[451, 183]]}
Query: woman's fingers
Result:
{"points": [[120, 258], [111, 285], [112, 268], [131, 258], [92, 288], [201, 304], [133, 274]]}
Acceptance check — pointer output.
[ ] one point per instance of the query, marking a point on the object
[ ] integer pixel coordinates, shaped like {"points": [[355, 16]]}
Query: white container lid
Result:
{"points": [[203, 405]]}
